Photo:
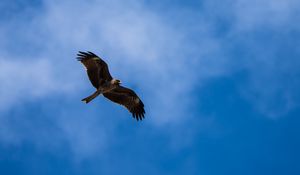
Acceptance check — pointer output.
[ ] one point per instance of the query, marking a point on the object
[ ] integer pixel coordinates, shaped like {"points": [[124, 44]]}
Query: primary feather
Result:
{"points": [[128, 99], [96, 68]]}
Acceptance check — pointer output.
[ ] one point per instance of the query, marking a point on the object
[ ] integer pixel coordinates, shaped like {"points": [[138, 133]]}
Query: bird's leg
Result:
{"points": [[91, 97]]}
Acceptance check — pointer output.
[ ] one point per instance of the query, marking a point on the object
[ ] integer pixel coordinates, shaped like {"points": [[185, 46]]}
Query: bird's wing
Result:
{"points": [[97, 69], [127, 98]]}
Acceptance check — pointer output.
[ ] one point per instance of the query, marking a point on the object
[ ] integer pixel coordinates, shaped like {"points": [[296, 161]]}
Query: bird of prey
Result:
{"points": [[109, 87]]}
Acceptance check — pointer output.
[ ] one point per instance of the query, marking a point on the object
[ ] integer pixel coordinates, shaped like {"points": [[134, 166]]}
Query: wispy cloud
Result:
{"points": [[27, 80], [260, 39], [252, 15], [141, 46], [265, 29], [161, 58]]}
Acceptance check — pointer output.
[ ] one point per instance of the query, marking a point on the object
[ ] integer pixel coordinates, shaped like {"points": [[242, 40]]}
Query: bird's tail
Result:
{"points": [[91, 97]]}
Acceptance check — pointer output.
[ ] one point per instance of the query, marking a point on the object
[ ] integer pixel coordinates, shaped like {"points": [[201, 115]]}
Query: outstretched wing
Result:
{"points": [[127, 98], [97, 69]]}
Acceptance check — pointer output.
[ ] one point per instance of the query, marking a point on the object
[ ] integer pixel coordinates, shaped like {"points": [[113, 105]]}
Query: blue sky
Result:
{"points": [[220, 82]]}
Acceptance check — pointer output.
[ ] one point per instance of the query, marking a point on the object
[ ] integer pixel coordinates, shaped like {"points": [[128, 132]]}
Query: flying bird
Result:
{"points": [[109, 87]]}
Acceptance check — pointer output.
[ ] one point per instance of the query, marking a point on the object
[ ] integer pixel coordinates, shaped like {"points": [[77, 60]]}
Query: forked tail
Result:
{"points": [[91, 97]]}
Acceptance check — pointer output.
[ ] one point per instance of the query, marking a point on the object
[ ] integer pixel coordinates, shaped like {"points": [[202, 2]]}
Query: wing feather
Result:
{"points": [[127, 98], [97, 69]]}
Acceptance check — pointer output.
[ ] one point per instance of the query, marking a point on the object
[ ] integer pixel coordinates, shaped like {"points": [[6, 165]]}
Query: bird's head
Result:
{"points": [[115, 82]]}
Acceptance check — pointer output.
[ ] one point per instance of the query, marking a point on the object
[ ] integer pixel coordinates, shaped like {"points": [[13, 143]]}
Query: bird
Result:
{"points": [[111, 88]]}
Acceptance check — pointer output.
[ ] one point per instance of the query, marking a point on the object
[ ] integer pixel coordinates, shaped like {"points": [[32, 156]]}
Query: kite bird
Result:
{"points": [[109, 87]]}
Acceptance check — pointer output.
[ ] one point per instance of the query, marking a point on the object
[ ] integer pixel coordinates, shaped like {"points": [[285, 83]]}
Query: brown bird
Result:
{"points": [[109, 87]]}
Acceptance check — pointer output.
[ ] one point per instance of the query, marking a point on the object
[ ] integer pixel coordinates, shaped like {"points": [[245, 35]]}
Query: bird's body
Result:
{"points": [[104, 88], [111, 89]]}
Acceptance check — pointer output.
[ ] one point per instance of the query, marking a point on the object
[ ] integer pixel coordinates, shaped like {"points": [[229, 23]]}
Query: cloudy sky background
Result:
{"points": [[220, 81]]}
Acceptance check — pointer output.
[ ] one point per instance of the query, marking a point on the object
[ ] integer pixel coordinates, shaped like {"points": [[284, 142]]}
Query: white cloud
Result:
{"points": [[261, 31], [272, 71], [87, 135], [265, 13], [27, 80], [128, 35], [161, 59], [137, 44]]}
